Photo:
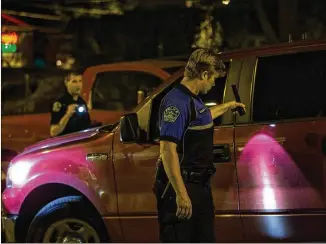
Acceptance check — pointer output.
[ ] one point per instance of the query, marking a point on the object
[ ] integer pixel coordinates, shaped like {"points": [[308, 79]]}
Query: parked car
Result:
{"points": [[110, 89], [270, 182]]}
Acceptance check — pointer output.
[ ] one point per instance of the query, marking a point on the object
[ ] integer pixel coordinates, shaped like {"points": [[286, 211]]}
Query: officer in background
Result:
{"points": [[185, 167], [69, 112]]}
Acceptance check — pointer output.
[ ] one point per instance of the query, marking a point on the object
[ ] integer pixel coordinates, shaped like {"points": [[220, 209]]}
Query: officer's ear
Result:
{"points": [[204, 75]]}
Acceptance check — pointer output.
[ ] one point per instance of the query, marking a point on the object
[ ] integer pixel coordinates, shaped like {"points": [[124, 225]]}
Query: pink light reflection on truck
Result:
{"points": [[271, 167]]}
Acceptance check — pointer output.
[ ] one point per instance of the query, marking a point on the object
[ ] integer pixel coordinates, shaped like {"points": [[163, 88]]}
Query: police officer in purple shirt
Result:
{"points": [[185, 167]]}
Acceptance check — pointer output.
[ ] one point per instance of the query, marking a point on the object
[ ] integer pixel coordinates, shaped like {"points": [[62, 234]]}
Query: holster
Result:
{"points": [[198, 176]]}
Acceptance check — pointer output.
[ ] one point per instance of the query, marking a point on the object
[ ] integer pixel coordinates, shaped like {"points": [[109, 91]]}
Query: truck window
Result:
{"points": [[290, 86], [25, 92], [117, 91]]}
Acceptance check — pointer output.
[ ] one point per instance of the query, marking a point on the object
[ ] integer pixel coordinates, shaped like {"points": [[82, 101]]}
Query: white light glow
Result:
{"points": [[81, 109], [225, 2], [269, 199], [275, 226], [18, 172], [59, 63]]}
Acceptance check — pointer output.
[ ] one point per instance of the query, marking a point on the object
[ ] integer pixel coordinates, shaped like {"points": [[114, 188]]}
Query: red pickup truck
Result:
{"points": [[110, 89], [270, 182]]}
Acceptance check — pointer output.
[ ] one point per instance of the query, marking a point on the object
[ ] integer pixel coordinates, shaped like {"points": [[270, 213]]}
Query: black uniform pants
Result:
{"points": [[199, 228]]}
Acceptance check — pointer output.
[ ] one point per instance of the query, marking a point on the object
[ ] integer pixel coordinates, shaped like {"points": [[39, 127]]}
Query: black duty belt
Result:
{"points": [[202, 176], [198, 176], [189, 175]]}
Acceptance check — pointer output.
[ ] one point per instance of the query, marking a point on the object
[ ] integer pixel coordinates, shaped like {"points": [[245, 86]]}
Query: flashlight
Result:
{"points": [[80, 109]]}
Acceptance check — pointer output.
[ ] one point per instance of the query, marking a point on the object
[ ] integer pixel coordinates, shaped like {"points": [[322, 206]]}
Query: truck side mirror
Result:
{"points": [[129, 128]]}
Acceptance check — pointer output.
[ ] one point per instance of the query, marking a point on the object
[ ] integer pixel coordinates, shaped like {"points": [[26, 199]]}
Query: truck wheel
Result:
{"points": [[67, 220]]}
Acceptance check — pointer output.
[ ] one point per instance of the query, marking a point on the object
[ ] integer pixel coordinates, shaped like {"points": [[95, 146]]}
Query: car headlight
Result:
{"points": [[17, 173]]}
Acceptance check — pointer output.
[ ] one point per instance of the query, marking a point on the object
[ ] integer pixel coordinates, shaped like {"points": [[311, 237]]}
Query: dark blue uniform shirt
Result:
{"points": [[78, 121], [186, 121]]}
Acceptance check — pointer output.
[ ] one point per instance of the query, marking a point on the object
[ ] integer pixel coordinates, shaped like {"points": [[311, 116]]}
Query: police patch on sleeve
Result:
{"points": [[171, 114], [56, 107]]}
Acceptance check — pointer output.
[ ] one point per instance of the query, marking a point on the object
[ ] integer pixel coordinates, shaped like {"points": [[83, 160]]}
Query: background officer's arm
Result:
{"points": [[174, 117], [59, 118]]}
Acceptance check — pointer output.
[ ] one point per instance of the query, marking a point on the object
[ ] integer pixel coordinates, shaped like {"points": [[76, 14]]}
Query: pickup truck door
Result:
{"points": [[282, 162], [135, 164], [228, 227]]}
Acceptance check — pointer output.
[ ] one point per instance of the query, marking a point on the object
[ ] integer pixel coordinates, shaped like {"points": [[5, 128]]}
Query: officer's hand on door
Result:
{"points": [[184, 207], [234, 105], [71, 109]]}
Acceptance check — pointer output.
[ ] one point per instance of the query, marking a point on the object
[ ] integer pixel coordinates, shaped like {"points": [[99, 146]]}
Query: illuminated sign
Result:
{"points": [[8, 42]]}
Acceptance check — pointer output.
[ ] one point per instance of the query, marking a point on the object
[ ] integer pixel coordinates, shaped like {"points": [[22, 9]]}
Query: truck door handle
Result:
{"points": [[221, 153]]}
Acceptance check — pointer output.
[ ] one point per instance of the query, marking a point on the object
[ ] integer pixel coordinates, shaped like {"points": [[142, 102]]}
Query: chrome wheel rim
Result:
{"points": [[71, 231]]}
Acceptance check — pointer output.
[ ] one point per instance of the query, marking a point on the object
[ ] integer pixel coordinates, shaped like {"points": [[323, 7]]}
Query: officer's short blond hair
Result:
{"points": [[203, 60]]}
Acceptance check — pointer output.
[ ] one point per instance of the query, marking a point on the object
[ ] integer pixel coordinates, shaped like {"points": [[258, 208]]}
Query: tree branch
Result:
{"points": [[265, 24]]}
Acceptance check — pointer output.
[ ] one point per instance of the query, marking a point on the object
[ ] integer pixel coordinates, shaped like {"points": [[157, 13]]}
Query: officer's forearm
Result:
{"points": [[58, 128], [172, 167], [218, 110]]}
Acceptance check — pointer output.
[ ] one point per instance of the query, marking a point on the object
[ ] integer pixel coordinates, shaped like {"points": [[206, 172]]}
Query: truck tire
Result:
{"points": [[67, 219]]}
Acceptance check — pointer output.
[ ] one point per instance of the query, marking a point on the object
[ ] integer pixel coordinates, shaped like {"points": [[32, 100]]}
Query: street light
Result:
{"points": [[225, 2]]}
